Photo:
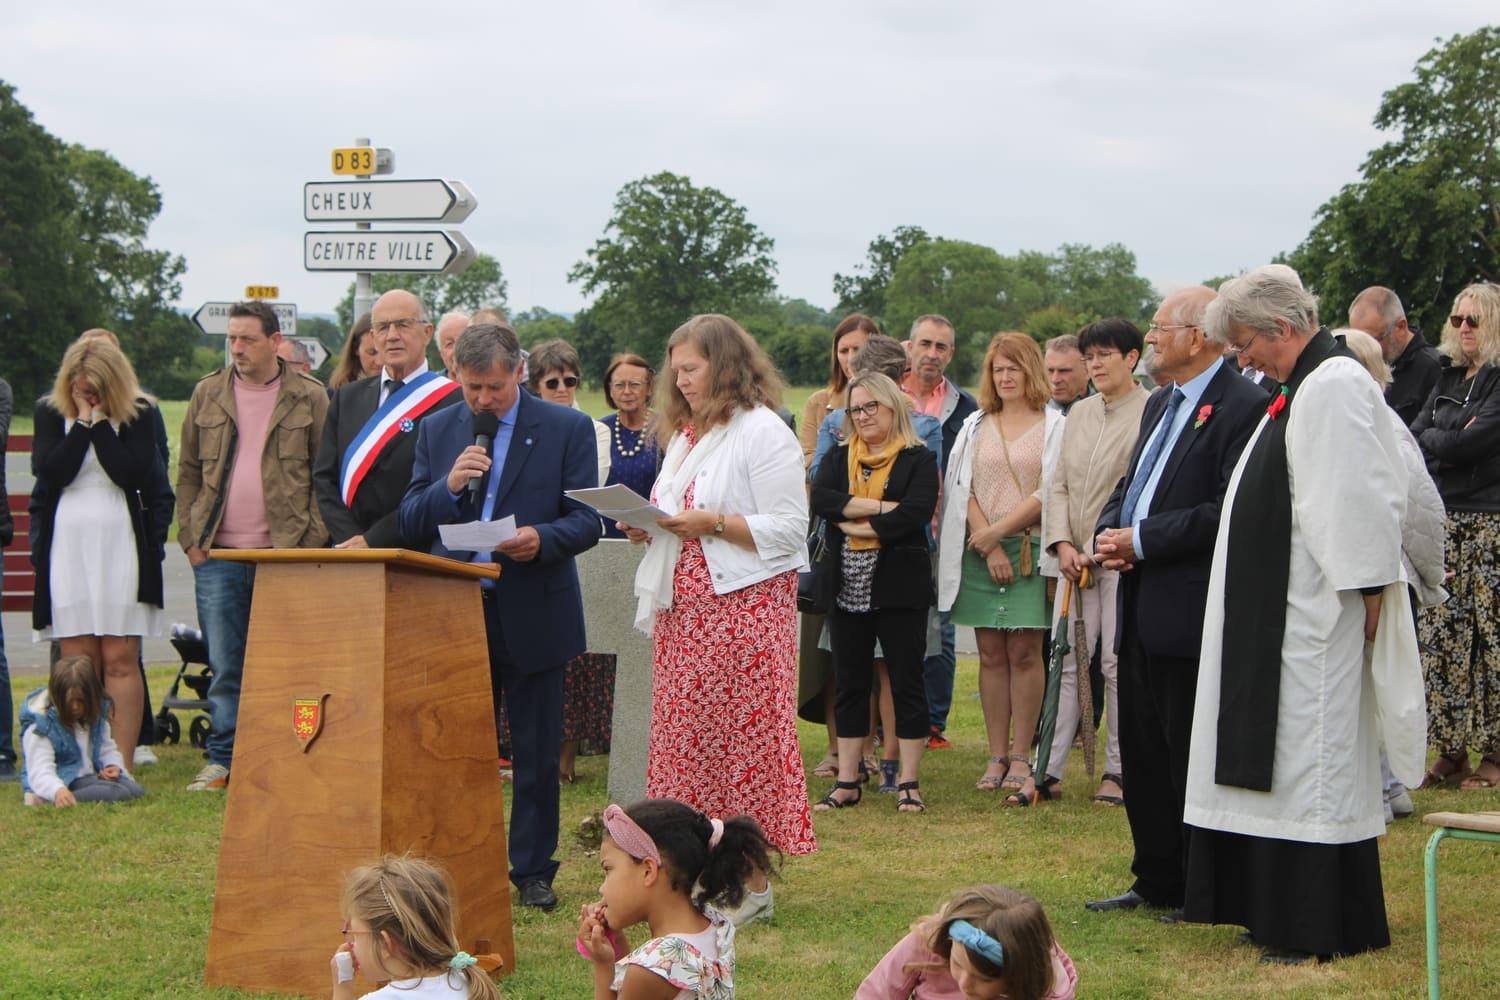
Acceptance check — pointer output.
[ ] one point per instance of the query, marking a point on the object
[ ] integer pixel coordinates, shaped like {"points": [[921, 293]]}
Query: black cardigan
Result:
{"points": [[132, 461], [903, 571], [1461, 440]]}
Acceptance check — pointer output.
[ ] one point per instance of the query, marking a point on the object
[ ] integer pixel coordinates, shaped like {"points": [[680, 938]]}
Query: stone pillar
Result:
{"points": [[607, 575]]}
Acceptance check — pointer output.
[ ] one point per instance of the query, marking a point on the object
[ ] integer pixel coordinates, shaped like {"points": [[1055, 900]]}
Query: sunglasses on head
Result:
{"points": [[571, 381], [1457, 322]]}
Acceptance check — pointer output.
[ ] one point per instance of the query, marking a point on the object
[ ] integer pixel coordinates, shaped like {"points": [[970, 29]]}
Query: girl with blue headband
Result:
{"points": [[985, 943], [399, 929]]}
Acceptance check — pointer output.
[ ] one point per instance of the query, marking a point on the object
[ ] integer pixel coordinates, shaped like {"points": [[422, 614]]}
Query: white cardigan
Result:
{"points": [[757, 473], [958, 483]]}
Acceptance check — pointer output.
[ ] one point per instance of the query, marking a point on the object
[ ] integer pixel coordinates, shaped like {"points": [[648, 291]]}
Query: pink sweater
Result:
{"points": [[891, 981], [244, 525]]}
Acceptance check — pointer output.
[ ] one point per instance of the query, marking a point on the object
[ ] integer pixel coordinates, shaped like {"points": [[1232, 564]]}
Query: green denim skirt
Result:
{"points": [[983, 603]]}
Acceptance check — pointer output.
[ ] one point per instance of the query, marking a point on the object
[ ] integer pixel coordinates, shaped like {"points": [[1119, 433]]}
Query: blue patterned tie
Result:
{"points": [[1148, 461]]}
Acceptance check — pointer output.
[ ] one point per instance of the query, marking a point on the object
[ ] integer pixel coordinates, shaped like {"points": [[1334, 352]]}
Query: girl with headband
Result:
{"points": [[667, 864], [985, 943], [399, 929]]}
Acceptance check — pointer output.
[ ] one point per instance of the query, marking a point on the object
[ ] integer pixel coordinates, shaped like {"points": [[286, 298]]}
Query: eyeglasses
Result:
{"points": [[346, 930], [387, 325], [1242, 348], [634, 385], [571, 381], [1457, 322], [1099, 357], [868, 409], [1163, 327]]}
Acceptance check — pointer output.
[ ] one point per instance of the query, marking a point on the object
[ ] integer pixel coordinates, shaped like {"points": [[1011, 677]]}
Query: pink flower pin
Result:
{"points": [[1204, 412]]}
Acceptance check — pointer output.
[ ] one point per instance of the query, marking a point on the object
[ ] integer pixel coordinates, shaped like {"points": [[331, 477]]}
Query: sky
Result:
{"points": [[1202, 136]]}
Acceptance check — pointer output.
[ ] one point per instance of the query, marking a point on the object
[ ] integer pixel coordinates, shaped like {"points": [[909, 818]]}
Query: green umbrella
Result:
{"points": [[1047, 724]]}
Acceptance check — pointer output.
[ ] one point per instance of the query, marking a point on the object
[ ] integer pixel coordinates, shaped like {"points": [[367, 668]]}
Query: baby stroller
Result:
{"points": [[191, 647]]}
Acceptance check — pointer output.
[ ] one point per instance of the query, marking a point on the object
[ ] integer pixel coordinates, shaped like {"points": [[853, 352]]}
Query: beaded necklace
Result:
{"points": [[640, 442]]}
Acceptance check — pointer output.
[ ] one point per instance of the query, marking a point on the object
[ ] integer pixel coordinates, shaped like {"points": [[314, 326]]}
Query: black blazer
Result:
{"points": [[132, 459], [377, 504], [903, 571], [1164, 596]]}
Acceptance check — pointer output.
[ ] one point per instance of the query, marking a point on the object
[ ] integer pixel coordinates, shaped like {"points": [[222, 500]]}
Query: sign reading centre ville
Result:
{"points": [[430, 251], [427, 200]]}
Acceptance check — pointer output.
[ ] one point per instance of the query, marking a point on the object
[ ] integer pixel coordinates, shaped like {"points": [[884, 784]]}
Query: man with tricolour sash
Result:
{"points": [[370, 435]]}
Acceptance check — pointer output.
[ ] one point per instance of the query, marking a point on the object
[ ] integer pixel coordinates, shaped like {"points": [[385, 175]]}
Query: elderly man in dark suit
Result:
{"points": [[533, 614], [370, 433], [1160, 525]]}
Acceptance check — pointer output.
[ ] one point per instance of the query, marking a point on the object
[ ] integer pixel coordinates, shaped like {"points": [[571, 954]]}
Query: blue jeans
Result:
{"points": [[937, 676], [223, 591], [7, 709]]}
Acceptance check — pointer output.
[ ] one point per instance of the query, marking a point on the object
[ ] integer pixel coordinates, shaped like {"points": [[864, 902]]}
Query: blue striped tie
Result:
{"points": [[1148, 461]]}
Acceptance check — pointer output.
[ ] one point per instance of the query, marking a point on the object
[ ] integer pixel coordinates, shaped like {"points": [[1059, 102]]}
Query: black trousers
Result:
{"points": [[1156, 724], [903, 641]]}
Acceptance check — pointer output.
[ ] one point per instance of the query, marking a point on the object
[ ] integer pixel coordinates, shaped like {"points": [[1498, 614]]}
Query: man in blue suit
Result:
{"points": [[533, 615]]}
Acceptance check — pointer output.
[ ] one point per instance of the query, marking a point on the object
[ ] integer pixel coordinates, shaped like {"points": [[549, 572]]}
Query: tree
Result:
{"points": [[669, 251], [480, 285], [864, 291], [963, 281], [538, 324], [1424, 219]]}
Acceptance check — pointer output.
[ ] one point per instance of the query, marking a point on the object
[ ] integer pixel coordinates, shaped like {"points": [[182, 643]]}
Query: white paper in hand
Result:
{"points": [[477, 536], [623, 504]]}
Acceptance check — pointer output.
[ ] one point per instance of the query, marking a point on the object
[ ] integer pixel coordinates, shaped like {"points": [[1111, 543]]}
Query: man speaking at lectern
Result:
{"points": [[533, 615]]}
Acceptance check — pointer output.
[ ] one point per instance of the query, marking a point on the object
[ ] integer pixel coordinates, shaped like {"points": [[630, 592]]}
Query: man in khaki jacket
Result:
{"points": [[244, 481], [1097, 439]]}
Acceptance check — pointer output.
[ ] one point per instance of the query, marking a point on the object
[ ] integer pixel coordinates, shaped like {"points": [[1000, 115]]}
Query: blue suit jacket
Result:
{"points": [[552, 449]]}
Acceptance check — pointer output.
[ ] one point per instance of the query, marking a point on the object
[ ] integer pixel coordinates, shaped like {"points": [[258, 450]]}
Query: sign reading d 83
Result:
{"points": [[357, 160]]}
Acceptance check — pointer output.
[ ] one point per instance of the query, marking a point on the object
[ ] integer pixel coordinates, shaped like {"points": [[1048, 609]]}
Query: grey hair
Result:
{"points": [[453, 314], [940, 320], [300, 354], [882, 354], [1066, 342], [1257, 301], [1281, 271], [1385, 302], [1367, 350], [481, 347]]}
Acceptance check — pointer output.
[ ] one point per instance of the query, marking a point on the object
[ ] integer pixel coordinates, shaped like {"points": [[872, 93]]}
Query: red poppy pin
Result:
{"points": [[1204, 412], [1277, 405]]}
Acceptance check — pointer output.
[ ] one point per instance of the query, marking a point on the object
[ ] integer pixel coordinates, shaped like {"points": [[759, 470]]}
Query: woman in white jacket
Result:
{"points": [[718, 588]]}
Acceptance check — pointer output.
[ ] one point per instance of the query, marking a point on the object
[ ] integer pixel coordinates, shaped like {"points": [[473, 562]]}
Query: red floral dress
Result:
{"points": [[723, 707]]}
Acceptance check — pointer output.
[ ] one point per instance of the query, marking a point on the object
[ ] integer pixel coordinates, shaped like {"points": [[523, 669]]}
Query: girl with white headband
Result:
{"points": [[985, 943], [672, 867]]}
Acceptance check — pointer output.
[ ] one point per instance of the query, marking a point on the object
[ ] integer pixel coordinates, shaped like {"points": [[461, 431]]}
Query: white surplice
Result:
{"points": [[1338, 693]]}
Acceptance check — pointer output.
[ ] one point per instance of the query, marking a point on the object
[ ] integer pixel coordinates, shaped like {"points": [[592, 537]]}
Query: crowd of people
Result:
{"points": [[1248, 518]]}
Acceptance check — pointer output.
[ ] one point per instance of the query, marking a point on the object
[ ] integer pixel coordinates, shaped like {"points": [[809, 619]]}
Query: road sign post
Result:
{"points": [[364, 299]]}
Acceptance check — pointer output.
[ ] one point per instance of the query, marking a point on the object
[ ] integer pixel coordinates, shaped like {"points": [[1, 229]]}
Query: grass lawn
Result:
{"points": [[115, 901]]}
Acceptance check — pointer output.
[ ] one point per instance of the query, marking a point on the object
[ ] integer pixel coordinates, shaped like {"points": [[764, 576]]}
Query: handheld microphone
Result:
{"points": [[485, 426]]}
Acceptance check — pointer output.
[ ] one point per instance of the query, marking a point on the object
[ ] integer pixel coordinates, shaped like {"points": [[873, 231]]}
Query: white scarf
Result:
{"points": [[679, 467]]}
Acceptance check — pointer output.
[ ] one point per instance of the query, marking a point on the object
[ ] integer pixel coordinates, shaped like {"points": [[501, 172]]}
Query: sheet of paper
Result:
{"points": [[477, 536], [623, 504]]}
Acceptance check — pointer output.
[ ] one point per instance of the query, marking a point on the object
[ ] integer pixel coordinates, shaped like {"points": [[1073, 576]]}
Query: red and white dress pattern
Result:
{"points": [[723, 708]]}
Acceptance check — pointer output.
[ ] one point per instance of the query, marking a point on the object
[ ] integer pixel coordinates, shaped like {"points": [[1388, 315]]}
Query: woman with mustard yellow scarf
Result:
{"points": [[878, 490]]}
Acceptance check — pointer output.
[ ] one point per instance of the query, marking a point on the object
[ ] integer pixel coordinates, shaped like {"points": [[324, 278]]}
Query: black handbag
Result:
{"points": [[810, 587]]}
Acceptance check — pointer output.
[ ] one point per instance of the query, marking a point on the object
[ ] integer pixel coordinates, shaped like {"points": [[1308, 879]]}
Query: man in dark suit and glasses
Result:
{"points": [[533, 615], [1160, 525], [370, 433]]}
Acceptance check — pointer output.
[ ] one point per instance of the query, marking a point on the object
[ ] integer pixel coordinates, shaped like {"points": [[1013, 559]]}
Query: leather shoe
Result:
{"points": [[1129, 901], [538, 894]]}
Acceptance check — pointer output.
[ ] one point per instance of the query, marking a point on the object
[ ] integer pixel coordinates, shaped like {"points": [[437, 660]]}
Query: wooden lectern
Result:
{"points": [[366, 727]]}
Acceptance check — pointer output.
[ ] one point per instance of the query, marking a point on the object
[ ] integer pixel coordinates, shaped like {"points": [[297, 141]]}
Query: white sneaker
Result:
{"points": [[213, 778], [1398, 801], [755, 906], [144, 755]]}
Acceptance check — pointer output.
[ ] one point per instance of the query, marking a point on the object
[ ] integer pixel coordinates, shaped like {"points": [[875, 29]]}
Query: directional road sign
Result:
{"points": [[264, 292], [213, 317], [430, 251], [427, 200], [316, 352]]}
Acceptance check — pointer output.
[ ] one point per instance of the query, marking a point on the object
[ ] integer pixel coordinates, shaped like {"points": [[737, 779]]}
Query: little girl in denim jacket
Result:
{"points": [[70, 756]]}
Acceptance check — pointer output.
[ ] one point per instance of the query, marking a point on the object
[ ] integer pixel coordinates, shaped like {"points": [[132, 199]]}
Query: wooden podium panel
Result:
{"points": [[390, 647]]}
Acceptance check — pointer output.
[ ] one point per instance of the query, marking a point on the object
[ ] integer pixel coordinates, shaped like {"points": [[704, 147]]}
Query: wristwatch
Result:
{"points": [[719, 525]]}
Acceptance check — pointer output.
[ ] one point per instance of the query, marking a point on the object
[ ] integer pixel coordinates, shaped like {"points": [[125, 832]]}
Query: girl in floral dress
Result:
{"points": [[665, 863]]}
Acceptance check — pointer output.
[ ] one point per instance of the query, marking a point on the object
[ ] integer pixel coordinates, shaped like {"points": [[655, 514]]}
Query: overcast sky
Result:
{"points": [[1202, 136]]}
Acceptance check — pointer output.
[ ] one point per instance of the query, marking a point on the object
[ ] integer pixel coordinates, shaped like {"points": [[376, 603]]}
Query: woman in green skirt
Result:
{"points": [[990, 552]]}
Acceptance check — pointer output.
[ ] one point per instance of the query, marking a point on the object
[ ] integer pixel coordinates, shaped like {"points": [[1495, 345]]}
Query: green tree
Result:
{"points": [[1099, 283], [669, 251], [1424, 218], [480, 285], [864, 290], [538, 324], [965, 282]]}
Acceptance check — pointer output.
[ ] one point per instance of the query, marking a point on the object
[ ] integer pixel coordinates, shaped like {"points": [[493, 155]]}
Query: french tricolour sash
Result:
{"points": [[397, 414]]}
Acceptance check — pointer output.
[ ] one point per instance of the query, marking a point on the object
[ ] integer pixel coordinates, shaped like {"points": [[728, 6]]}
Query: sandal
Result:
{"points": [[1456, 771], [906, 803], [1019, 796], [829, 802], [1015, 781], [889, 771], [828, 767], [1482, 779], [992, 782], [1111, 800], [1050, 790]]}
